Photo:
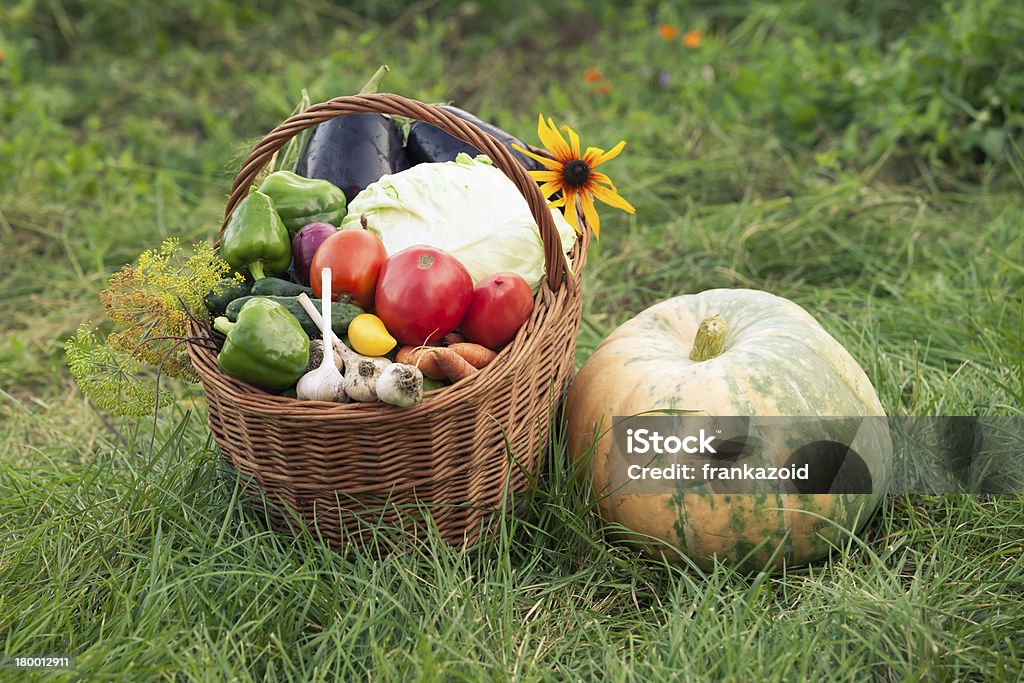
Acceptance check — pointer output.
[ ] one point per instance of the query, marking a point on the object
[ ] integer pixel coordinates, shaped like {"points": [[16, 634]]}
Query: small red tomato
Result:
{"points": [[422, 294], [355, 258], [501, 304]]}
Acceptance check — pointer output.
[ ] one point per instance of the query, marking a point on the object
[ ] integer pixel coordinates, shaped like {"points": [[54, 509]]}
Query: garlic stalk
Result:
{"points": [[361, 372], [400, 385], [325, 383], [340, 350]]}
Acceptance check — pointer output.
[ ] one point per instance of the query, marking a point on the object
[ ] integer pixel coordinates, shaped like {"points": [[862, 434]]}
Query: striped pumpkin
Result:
{"points": [[771, 359]]}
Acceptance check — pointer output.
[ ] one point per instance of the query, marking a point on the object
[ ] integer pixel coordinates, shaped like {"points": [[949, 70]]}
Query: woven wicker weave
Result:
{"points": [[342, 467]]}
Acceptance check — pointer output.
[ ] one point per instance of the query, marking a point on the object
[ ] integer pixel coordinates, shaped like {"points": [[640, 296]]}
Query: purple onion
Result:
{"points": [[305, 243]]}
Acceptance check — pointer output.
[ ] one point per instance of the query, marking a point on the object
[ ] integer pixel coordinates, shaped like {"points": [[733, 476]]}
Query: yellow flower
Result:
{"points": [[573, 174], [692, 39]]}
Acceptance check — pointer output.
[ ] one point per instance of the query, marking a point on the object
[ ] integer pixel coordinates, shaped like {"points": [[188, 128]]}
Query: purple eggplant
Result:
{"points": [[305, 243], [428, 143], [353, 151]]}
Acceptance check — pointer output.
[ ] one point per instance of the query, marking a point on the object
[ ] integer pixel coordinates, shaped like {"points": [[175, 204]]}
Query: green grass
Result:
{"points": [[885, 206]]}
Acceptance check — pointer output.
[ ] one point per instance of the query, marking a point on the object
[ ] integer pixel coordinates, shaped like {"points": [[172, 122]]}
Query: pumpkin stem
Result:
{"points": [[710, 339]]}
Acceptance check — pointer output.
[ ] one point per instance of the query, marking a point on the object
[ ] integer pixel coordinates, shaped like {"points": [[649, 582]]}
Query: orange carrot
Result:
{"points": [[461, 360], [430, 359], [455, 366], [476, 355], [418, 356]]}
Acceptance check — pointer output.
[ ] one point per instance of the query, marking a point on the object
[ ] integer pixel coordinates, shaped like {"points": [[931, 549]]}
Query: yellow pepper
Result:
{"points": [[368, 336]]}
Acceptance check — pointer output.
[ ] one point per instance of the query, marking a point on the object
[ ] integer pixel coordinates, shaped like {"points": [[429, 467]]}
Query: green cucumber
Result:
{"points": [[223, 293], [274, 286], [341, 313]]}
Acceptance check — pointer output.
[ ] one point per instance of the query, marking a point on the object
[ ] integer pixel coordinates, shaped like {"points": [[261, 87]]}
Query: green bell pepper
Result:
{"points": [[265, 346], [255, 240], [300, 201]]}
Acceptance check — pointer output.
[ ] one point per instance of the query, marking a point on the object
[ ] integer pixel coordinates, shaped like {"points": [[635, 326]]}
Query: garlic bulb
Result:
{"points": [[362, 375], [322, 384], [316, 355], [400, 385], [325, 383]]}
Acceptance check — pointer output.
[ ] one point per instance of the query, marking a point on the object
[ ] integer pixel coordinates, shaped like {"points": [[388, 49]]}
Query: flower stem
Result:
{"points": [[710, 339]]}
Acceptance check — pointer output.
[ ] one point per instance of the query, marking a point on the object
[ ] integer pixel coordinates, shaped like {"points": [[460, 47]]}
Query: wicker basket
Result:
{"points": [[337, 469]]}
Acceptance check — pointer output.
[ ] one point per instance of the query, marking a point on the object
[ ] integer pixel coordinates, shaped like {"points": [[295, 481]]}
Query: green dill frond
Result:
{"points": [[108, 377], [157, 299]]}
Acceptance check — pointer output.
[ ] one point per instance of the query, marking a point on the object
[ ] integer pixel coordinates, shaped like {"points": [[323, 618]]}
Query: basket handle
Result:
{"points": [[386, 103]]}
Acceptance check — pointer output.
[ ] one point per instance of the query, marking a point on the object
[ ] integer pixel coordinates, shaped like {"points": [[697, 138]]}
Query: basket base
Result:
{"points": [[374, 524]]}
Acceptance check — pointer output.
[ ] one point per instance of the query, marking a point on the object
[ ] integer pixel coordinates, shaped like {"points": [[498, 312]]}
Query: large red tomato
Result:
{"points": [[355, 258], [422, 294], [501, 304]]}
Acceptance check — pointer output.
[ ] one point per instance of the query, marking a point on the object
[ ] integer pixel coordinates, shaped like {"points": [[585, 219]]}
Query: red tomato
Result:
{"points": [[422, 294], [501, 304], [355, 258]]}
